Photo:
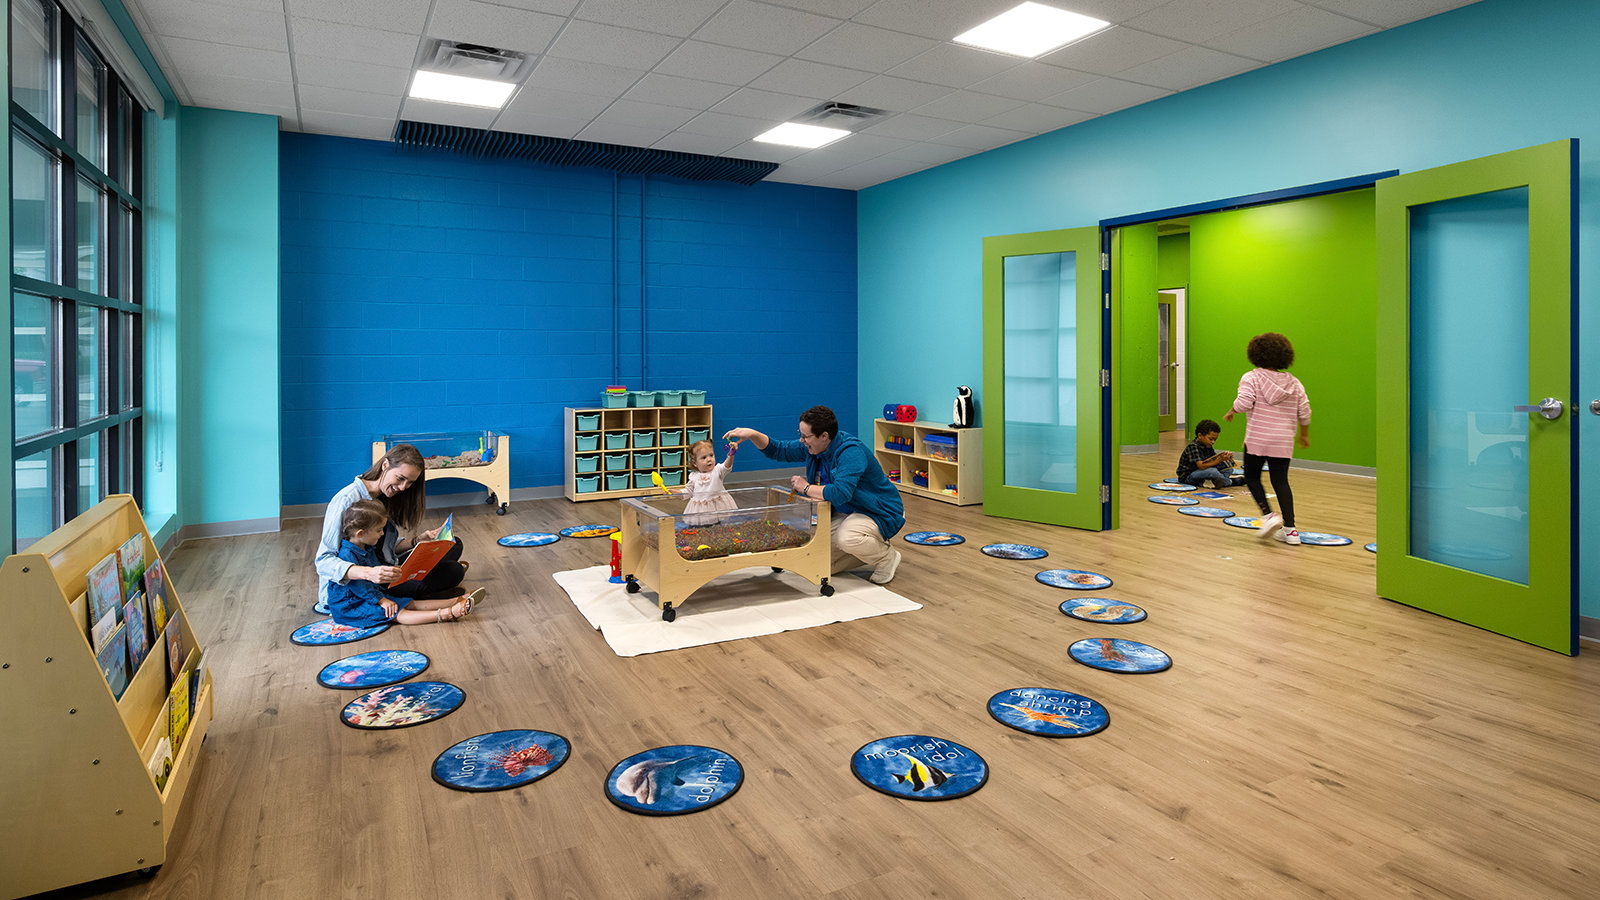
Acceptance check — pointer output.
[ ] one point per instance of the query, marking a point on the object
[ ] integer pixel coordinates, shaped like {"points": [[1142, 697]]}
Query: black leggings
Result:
{"points": [[1278, 467], [445, 574]]}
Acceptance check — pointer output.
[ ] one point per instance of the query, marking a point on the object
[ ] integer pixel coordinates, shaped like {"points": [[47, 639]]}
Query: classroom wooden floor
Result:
{"points": [[1310, 740]]}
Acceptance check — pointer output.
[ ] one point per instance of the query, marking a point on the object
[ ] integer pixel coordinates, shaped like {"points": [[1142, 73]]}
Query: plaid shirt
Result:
{"points": [[1192, 456]]}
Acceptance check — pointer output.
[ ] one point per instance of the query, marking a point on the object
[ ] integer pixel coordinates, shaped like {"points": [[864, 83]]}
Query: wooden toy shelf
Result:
{"points": [[79, 800], [966, 472], [671, 424]]}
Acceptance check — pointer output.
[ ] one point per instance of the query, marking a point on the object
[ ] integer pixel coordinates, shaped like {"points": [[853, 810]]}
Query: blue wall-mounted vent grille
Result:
{"points": [[569, 152]]}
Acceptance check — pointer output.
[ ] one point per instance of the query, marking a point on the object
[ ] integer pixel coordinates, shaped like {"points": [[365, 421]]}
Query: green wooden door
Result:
{"points": [[1042, 441], [1476, 277]]}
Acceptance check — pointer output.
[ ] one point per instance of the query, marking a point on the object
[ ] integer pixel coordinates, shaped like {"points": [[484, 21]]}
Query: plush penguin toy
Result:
{"points": [[964, 411]]}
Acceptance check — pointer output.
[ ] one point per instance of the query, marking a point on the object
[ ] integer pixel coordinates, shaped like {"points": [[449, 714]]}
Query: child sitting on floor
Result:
{"points": [[1200, 462], [706, 494], [362, 604]]}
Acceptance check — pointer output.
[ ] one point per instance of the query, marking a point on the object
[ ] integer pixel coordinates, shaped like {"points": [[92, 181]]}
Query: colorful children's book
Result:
{"points": [[426, 555], [195, 674], [446, 533], [161, 763], [178, 719], [131, 556], [155, 590], [138, 634], [105, 590], [114, 661], [103, 629], [175, 652]]}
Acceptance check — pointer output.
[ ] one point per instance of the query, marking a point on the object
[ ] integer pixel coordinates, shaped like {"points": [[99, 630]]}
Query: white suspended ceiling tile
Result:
{"points": [[625, 135], [534, 123], [870, 145], [612, 46], [1114, 11], [202, 58], [1291, 34], [349, 74], [674, 91], [714, 62], [553, 7], [1032, 81], [981, 137], [798, 76], [580, 77], [877, 171], [1106, 95], [778, 153], [678, 18], [340, 41], [967, 106], [913, 127], [838, 9], [349, 103], [646, 115], [893, 94], [954, 66], [1198, 21], [373, 129], [263, 30], [1037, 118], [941, 20], [396, 15], [1389, 13], [759, 26], [1109, 52], [1189, 67], [447, 113], [253, 91], [723, 125], [550, 102], [472, 22], [765, 105], [710, 145], [229, 103], [864, 47], [932, 154], [842, 181]]}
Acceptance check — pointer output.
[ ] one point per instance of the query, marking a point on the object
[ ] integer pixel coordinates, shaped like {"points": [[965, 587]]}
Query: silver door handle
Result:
{"points": [[1549, 407]]}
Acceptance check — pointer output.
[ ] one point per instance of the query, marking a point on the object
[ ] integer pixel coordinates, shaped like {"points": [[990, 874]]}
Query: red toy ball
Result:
{"points": [[905, 413]]}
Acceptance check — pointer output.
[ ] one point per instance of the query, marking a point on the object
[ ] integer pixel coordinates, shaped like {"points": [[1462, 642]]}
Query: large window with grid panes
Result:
{"points": [[76, 274]]}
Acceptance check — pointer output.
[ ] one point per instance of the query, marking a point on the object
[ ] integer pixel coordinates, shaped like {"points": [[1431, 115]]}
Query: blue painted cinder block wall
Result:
{"points": [[434, 292]]}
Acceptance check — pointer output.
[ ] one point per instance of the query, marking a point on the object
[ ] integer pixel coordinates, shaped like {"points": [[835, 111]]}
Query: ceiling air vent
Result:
{"points": [[841, 115], [476, 61]]}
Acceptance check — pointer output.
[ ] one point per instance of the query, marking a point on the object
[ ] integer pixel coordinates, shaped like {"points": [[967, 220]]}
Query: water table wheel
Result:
{"points": [[668, 613], [827, 589], [633, 586]]}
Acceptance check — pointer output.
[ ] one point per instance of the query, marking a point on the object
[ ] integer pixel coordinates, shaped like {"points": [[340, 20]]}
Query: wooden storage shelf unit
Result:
{"points": [[966, 472], [79, 800], [660, 422]]}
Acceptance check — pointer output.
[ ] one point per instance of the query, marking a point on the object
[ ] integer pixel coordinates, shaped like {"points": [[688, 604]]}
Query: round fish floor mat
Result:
{"points": [[370, 670], [1173, 486], [321, 608], [1174, 500], [501, 760], [1243, 521], [529, 539], [672, 781], [1102, 610], [1117, 655], [1319, 539], [327, 631], [1073, 579], [1207, 512], [1048, 712], [589, 531], [935, 538], [1372, 547], [919, 767], [403, 705], [1015, 551]]}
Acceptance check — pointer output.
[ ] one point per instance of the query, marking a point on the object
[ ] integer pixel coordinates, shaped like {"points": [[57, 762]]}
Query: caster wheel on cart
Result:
{"points": [[827, 589], [776, 570], [502, 510], [633, 586], [668, 613], [149, 871], [490, 499]]}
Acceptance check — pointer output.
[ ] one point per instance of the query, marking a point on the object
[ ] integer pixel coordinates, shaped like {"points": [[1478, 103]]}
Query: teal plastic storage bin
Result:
{"points": [[613, 401], [643, 439], [699, 434], [642, 480], [617, 482], [671, 398], [615, 461], [588, 484], [672, 478], [616, 440], [673, 438], [642, 398], [587, 464], [644, 460], [671, 458], [694, 398], [586, 442], [588, 422]]}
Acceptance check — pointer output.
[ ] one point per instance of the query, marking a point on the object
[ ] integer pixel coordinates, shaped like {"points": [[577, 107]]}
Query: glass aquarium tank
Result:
{"points": [[483, 457]]}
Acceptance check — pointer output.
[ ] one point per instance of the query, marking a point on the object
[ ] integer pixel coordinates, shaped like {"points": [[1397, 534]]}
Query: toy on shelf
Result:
{"points": [[899, 444], [905, 413], [894, 475], [919, 477], [950, 489], [965, 413]]}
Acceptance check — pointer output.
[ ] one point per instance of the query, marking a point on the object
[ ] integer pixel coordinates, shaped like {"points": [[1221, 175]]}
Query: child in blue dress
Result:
{"points": [[362, 604]]}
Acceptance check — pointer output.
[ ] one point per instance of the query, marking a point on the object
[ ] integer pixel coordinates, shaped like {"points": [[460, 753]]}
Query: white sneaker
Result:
{"points": [[1270, 523], [1288, 536], [884, 573]]}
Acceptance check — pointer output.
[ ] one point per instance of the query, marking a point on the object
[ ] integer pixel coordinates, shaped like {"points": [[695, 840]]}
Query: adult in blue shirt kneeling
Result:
{"points": [[867, 510]]}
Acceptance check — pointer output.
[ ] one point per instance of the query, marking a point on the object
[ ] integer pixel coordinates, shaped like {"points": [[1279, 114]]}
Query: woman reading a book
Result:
{"points": [[396, 481]]}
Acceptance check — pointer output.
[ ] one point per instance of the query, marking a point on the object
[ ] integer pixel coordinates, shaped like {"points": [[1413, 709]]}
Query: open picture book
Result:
{"points": [[427, 554]]}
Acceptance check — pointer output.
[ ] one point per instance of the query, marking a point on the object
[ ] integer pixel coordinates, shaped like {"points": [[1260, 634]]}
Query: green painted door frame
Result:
{"points": [[1167, 421], [1082, 508], [1544, 611]]}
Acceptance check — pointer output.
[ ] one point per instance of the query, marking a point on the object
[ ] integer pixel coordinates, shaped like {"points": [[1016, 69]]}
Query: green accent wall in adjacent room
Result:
{"points": [[1172, 261], [1135, 271], [1304, 268]]}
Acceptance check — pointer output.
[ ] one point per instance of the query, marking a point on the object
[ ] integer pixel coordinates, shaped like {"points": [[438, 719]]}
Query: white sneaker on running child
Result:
{"points": [[1288, 536], [884, 573], [1270, 523]]}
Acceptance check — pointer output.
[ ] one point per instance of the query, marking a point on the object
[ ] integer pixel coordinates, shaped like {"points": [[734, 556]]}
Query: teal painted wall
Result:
{"points": [[8, 535], [161, 326], [1173, 263], [227, 316], [1493, 76], [1135, 269], [1308, 270]]}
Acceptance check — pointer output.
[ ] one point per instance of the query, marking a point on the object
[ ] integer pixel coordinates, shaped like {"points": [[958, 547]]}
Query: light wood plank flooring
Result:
{"points": [[1311, 740]]}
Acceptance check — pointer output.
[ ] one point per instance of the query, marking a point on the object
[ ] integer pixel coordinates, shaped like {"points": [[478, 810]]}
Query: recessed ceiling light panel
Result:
{"points": [[460, 89], [1031, 29], [793, 134]]}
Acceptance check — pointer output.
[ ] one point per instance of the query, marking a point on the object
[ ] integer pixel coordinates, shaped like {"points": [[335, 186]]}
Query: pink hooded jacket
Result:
{"points": [[1276, 404]]}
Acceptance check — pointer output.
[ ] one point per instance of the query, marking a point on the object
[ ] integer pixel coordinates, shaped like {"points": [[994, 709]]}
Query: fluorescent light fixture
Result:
{"points": [[792, 134], [1031, 29], [461, 89]]}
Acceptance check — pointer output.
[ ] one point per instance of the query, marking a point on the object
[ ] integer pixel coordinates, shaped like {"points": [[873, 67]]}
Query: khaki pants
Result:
{"points": [[857, 543]]}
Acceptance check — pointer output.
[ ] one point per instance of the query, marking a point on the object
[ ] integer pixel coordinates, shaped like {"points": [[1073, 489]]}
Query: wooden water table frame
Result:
{"points": [[675, 578]]}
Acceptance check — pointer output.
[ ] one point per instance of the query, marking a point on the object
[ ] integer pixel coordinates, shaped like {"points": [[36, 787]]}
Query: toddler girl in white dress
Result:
{"points": [[704, 490]]}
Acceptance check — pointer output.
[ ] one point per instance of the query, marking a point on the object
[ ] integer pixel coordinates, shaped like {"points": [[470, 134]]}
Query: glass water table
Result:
{"points": [[483, 457], [676, 553]]}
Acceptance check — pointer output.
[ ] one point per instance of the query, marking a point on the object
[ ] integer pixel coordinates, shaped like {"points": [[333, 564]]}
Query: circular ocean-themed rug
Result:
{"points": [[327, 631], [1102, 610], [671, 781], [529, 539], [589, 531], [1320, 539], [1372, 547], [1207, 512], [1048, 712], [1243, 521], [1117, 655], [1463, 551], [321, 608], [1015, 551], [1073, 579], [919, 767], [1173, 500], [403, 705], [935, 538], [370, 670], [501, 760], [1173, 486]]}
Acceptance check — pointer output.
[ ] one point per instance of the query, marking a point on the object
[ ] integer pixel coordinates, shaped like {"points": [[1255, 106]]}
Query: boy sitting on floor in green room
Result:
{"points": [[1201, 462]]}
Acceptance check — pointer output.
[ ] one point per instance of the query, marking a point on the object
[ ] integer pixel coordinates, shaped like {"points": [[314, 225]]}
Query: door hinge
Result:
{"points": [[1105, 378], [1108, 300], [1105, 262], [1105, 493]]}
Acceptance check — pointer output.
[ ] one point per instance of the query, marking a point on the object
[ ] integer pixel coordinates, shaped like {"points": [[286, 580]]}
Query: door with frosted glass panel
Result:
{"points": [[1041, 372], [1476, 383]]}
